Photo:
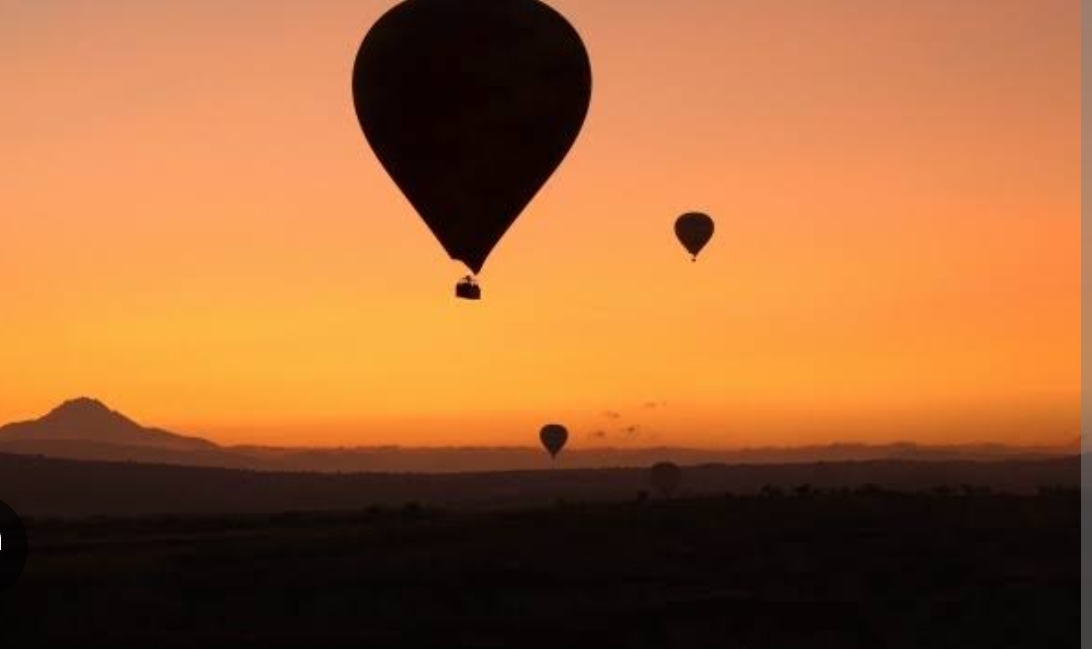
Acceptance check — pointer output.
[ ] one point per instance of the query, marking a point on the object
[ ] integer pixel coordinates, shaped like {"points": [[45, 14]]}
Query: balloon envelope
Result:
{"points": [[553, 437], [470, 105], [665, 477], [694, 230]]}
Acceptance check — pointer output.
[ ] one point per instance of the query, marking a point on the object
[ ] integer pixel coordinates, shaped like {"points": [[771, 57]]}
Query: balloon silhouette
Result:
{"points": [[553, 437], [470, 106], [694, 230], [665, 477]]}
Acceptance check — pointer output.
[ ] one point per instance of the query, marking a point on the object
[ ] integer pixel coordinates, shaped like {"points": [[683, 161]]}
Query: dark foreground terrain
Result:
{"points": [[865, 568]]}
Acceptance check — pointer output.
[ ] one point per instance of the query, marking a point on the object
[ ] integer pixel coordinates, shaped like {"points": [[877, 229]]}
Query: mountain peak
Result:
{"points": [[89, 420], [82, 404], [85, 400], [88, 412]]}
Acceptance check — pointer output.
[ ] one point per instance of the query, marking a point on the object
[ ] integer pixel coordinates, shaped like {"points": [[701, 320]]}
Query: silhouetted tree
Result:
{"points": [[770, 491], [1058, 491]]}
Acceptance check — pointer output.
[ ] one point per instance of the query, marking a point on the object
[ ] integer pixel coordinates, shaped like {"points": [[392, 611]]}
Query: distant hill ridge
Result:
{"points": [[57, 487], [86, 429]]}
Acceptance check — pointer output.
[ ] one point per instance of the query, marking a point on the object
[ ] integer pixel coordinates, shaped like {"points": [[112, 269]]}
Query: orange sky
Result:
{"points": [[193, 229]]}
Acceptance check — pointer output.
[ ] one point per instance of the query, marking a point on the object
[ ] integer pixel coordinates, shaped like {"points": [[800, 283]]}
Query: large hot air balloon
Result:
{"points": [[694, 230], [665, 477], [553, 437], [470, 106]]}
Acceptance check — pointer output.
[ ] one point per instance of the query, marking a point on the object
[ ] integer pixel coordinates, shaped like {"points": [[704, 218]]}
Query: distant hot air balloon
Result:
{"points": [[694, 230], [553, 437], [470, 106], [665, 477]]}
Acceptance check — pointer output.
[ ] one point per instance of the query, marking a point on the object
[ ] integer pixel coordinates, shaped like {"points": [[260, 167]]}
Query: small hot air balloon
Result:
{"points": [[553, 437], [694, 230], [470, 106], [665, 477]]}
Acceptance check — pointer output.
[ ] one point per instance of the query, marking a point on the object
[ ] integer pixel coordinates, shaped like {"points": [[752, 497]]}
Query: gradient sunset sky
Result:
{"points": [[194, 230]]}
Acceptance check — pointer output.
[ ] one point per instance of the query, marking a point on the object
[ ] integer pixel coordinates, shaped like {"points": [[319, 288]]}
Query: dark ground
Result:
{"points": [[866, 569]]}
